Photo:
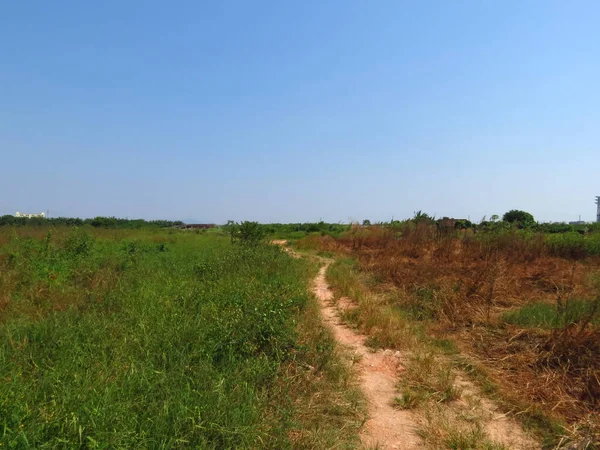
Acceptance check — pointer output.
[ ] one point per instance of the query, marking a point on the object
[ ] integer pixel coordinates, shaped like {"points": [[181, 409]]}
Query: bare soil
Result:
{"points": [[387, 427], [379, 371]]}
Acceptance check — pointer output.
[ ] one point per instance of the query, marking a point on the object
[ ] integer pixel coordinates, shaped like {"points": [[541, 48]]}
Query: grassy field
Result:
{"points": [[164, 339], [517, 310]]}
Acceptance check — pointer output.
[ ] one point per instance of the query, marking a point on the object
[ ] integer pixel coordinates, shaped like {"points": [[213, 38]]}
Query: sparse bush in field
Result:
{"points": [[79, 243], [250, 232], [421, 217]]}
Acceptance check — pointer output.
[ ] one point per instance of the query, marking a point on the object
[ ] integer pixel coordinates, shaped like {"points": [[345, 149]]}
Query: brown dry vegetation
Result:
{"points": [[460, 285]]}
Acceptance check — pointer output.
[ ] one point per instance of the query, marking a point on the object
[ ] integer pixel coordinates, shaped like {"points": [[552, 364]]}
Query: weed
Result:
{"points": [[545, 315], [426, 378], [147, 338], [440, 431]]}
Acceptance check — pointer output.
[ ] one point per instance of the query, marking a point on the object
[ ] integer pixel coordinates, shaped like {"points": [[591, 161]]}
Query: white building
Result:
{"points": [[30, 216]]}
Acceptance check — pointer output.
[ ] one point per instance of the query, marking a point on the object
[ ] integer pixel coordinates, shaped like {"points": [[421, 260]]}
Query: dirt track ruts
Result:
{"points": [[387, 427]]}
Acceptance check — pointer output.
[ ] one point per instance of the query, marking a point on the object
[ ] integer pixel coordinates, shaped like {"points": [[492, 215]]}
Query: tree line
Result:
{"points": [[96, 222]]}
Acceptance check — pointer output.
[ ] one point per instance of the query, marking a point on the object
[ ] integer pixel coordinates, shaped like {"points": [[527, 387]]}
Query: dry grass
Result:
{"points": [[440, 430], [458, 286], [427, 378]]}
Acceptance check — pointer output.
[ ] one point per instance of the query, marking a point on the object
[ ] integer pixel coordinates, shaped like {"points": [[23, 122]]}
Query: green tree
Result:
{"points": [[420, 216], [230, 228], [251, 232], [521, 218], [366, 223]]}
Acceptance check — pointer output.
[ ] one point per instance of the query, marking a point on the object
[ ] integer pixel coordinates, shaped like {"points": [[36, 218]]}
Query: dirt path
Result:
{"points": [[379, 371], [387, 427]]}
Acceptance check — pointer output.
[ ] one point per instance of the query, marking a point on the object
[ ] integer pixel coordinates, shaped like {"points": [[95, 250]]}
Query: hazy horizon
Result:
{"points": [[340, 111]]}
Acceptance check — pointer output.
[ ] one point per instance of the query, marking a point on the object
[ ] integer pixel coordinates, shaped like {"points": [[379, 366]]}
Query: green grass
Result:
{"points": [[544, 315], [343, 275], [157, 340]]}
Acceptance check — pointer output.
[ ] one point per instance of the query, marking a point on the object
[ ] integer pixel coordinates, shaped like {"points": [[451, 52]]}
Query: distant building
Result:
{"points": [[577, 222], [30, 216], [598, 210]]}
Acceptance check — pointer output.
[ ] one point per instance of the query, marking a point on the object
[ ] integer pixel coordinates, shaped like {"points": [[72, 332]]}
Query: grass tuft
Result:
{"points": [[545, 315], [426, 378]]}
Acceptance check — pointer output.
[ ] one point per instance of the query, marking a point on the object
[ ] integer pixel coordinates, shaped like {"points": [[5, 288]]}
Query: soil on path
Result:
{"points": [[379, 371], [387, 427]]}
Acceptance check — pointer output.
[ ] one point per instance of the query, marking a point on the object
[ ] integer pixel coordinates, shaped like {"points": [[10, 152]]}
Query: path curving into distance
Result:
{"points": [[387, 427], [378, 373]]}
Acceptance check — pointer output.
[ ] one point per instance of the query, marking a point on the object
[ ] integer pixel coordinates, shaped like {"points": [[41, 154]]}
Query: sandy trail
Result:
{"points": [[387, 427], [378, 373]]}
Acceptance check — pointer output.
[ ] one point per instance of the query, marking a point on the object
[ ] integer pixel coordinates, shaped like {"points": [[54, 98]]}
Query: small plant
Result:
{"points": [[426, 378], [441, 431]]}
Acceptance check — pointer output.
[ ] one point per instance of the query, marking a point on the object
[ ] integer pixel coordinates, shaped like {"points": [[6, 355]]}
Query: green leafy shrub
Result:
{"points": [[518, 217]]}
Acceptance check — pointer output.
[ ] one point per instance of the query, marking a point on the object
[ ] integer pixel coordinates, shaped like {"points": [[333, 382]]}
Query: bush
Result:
{"points": [[521, 218]]}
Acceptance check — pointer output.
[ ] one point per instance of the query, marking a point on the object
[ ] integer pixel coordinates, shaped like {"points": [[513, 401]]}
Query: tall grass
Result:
{"points": [[150, 340]]}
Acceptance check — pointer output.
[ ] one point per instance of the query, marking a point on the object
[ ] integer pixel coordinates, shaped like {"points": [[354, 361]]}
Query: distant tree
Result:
{"points": [[231, 228], [494, 217], [463, 224], [104, 222], [521, 218], [420, 216], [366, 223], [251, 232]]}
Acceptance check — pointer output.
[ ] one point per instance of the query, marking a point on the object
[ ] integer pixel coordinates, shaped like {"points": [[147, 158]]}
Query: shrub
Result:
{"points": [[250, 232], [521, 218]]}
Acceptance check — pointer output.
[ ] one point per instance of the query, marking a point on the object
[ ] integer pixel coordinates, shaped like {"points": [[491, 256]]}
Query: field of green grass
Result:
{"points": [[163, 339]]}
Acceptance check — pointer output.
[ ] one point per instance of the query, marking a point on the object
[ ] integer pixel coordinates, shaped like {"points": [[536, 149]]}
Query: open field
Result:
{"points": [[135, 336], [514, 310], [155, 338]]}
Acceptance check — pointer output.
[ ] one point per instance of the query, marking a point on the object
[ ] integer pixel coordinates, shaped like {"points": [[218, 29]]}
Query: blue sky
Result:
{"points": [[300, 111]]}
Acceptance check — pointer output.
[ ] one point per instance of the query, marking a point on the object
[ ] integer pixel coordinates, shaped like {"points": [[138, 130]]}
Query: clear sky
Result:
{"points": [[300, 110]]}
